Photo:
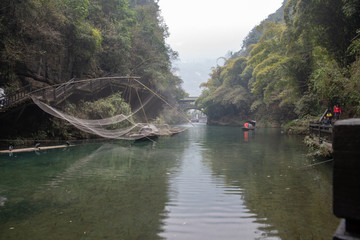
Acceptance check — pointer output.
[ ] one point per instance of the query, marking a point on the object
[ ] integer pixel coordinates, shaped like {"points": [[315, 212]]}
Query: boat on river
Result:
{"points": [[195, 120], [248, 128], [152, 131], [249, 125]]}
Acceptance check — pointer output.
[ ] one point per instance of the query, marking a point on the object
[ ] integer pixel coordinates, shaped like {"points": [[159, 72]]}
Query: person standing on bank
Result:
{"points": [[337, 112], [329, 115]]}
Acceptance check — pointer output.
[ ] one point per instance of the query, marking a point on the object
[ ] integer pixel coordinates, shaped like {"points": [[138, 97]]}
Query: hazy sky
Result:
{"points": [[202, 29]]}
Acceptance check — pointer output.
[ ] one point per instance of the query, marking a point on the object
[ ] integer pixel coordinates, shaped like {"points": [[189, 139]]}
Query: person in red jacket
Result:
{"points": [[337, 112]]}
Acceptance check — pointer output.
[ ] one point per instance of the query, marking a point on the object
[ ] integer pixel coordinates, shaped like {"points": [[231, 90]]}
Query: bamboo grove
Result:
{"points": [[301, 60]]}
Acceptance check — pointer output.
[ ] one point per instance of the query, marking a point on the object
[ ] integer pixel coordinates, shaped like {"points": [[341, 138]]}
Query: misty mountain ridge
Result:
{"points": [[195, 72]]}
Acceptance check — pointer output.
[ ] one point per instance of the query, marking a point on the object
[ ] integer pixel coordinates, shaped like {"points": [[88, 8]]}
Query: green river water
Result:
{"points": [[205, 183]]}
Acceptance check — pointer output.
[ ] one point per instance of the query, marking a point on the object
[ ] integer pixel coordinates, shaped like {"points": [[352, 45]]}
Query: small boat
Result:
{"points": [[147, 132], [140, 138], [247, 128], [249, 125], [152, 132]]}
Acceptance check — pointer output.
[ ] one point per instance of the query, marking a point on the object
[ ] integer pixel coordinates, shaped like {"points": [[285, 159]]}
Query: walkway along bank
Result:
{"points": [[321, 135]]}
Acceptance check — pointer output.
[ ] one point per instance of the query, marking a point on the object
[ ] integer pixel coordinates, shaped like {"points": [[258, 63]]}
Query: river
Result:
{"points": [[205, 183]]}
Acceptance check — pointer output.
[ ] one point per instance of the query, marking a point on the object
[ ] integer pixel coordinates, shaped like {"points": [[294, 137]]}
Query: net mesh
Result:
{"points": [[100, 127]]}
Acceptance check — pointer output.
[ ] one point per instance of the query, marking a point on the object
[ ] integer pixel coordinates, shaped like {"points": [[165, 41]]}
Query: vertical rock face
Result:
{"points": [[49, 42], [51, 59], [52, 41], [39, 44], [48, 65]]}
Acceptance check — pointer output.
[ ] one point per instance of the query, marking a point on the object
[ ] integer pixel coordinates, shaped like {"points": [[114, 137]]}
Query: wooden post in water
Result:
{"points": [[346, 179]]}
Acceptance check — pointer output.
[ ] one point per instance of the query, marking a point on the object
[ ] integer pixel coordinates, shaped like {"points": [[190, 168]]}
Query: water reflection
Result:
{"points": [[102, 192], [206, 183], [208, 214], [202, 206], [291, 202]]}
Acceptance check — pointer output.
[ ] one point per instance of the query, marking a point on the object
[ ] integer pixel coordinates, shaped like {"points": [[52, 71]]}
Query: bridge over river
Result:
{"points": [[188, 103]]}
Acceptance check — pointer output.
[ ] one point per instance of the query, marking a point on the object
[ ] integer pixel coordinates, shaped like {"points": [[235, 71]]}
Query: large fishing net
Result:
{"points": [[105, 127]]}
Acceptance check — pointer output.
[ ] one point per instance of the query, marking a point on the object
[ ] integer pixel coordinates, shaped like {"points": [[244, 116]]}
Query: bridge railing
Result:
{"points": [[323, 131], [60, 92], [17, 96], [57, 94]]}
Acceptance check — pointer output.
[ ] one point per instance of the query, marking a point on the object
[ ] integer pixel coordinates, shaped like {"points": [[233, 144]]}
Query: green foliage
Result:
{"points": [[86, 44], [299, 126], [326, 24], [205, 102], [44, 42], [309, 104], [271, 84], [255, 34], [97, 38], [102, 108], [293, 68], [170, 116], [329, 83], [352, 90], [87, 38], [79, 9], [354, 48], [150, 56], [227, 91], [317, 151]]}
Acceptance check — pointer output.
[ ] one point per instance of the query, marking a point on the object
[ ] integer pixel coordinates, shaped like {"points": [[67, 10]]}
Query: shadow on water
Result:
{"points": [[290, 200], [94, 191]]}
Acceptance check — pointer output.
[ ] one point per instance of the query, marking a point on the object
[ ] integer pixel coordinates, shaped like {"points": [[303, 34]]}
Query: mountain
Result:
{"points": [[193, 73]]}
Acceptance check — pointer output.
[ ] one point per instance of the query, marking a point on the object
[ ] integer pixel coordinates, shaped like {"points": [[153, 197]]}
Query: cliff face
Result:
{"points": [[47, 42], [33, 45]]}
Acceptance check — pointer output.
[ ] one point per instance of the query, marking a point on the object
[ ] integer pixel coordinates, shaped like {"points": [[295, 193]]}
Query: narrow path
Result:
{"points": [[59, 92]]}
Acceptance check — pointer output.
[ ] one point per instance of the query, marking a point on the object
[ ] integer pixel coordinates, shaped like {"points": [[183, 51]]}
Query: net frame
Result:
{"points": [[98, 126]]}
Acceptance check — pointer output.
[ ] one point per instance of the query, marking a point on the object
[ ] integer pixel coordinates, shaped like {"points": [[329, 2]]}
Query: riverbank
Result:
{"points": [[236, 122], [46, 144], [317, 148], [299, 126], [26, 145]]}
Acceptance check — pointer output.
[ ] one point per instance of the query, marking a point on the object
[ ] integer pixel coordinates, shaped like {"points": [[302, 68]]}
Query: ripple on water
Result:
{"points": [[204, 207]]}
